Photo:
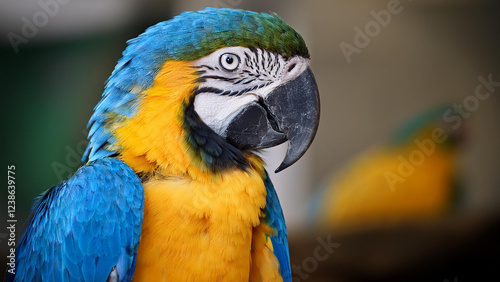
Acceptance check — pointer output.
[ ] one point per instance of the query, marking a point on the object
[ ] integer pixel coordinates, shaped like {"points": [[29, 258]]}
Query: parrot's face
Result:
{"points": [[256, 99], [207, 89]]}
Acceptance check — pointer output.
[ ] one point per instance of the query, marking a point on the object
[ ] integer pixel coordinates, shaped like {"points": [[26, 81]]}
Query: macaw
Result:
{"points": [[173, 188], [412, 178]]}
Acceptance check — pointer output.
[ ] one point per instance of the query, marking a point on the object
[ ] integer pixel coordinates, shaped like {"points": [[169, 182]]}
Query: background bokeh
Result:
{"points": [[430, 53]]}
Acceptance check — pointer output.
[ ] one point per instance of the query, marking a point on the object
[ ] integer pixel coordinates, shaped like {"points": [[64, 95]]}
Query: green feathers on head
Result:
{"points": [[251, 29]]}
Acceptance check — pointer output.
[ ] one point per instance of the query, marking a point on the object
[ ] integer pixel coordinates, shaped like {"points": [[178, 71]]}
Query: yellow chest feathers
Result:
{"points": [[195, 231]]}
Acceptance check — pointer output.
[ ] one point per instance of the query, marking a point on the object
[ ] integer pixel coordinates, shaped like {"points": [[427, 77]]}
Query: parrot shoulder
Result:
{"points": [[86, 228]]}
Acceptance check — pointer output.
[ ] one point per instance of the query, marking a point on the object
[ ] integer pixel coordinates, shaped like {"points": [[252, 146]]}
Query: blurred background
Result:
{"points": [[377, 63]]}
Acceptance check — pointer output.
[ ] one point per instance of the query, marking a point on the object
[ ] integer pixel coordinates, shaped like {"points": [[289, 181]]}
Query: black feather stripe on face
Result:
{"points": [[207, 146]]}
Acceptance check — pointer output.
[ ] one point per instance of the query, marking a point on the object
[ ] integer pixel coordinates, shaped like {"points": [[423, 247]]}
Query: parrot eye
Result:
{"points": [[229, 61]]}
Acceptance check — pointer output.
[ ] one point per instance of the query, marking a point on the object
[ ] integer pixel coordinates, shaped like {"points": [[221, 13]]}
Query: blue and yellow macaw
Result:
{"points": [[411, 178], [173, 189]]}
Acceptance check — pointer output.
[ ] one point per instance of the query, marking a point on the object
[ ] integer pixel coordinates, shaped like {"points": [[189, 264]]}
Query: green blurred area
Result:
{"points": [[49, 95]]}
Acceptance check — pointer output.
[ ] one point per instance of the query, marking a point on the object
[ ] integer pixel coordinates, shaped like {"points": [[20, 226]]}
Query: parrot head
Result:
{"points": [[208, 88]]}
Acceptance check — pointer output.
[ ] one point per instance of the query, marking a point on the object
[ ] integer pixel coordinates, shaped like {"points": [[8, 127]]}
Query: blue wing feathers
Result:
{"points": [[82, 228], [274, 217]]}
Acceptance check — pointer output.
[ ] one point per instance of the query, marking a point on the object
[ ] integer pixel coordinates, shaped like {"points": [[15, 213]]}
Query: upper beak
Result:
{"points": [[290, 112]]}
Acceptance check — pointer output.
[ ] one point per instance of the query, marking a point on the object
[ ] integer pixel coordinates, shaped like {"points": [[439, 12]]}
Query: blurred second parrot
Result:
{"points": [[411, 178]]}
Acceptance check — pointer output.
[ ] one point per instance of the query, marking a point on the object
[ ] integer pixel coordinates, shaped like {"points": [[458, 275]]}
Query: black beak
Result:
{"points": [[290, 112]]}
